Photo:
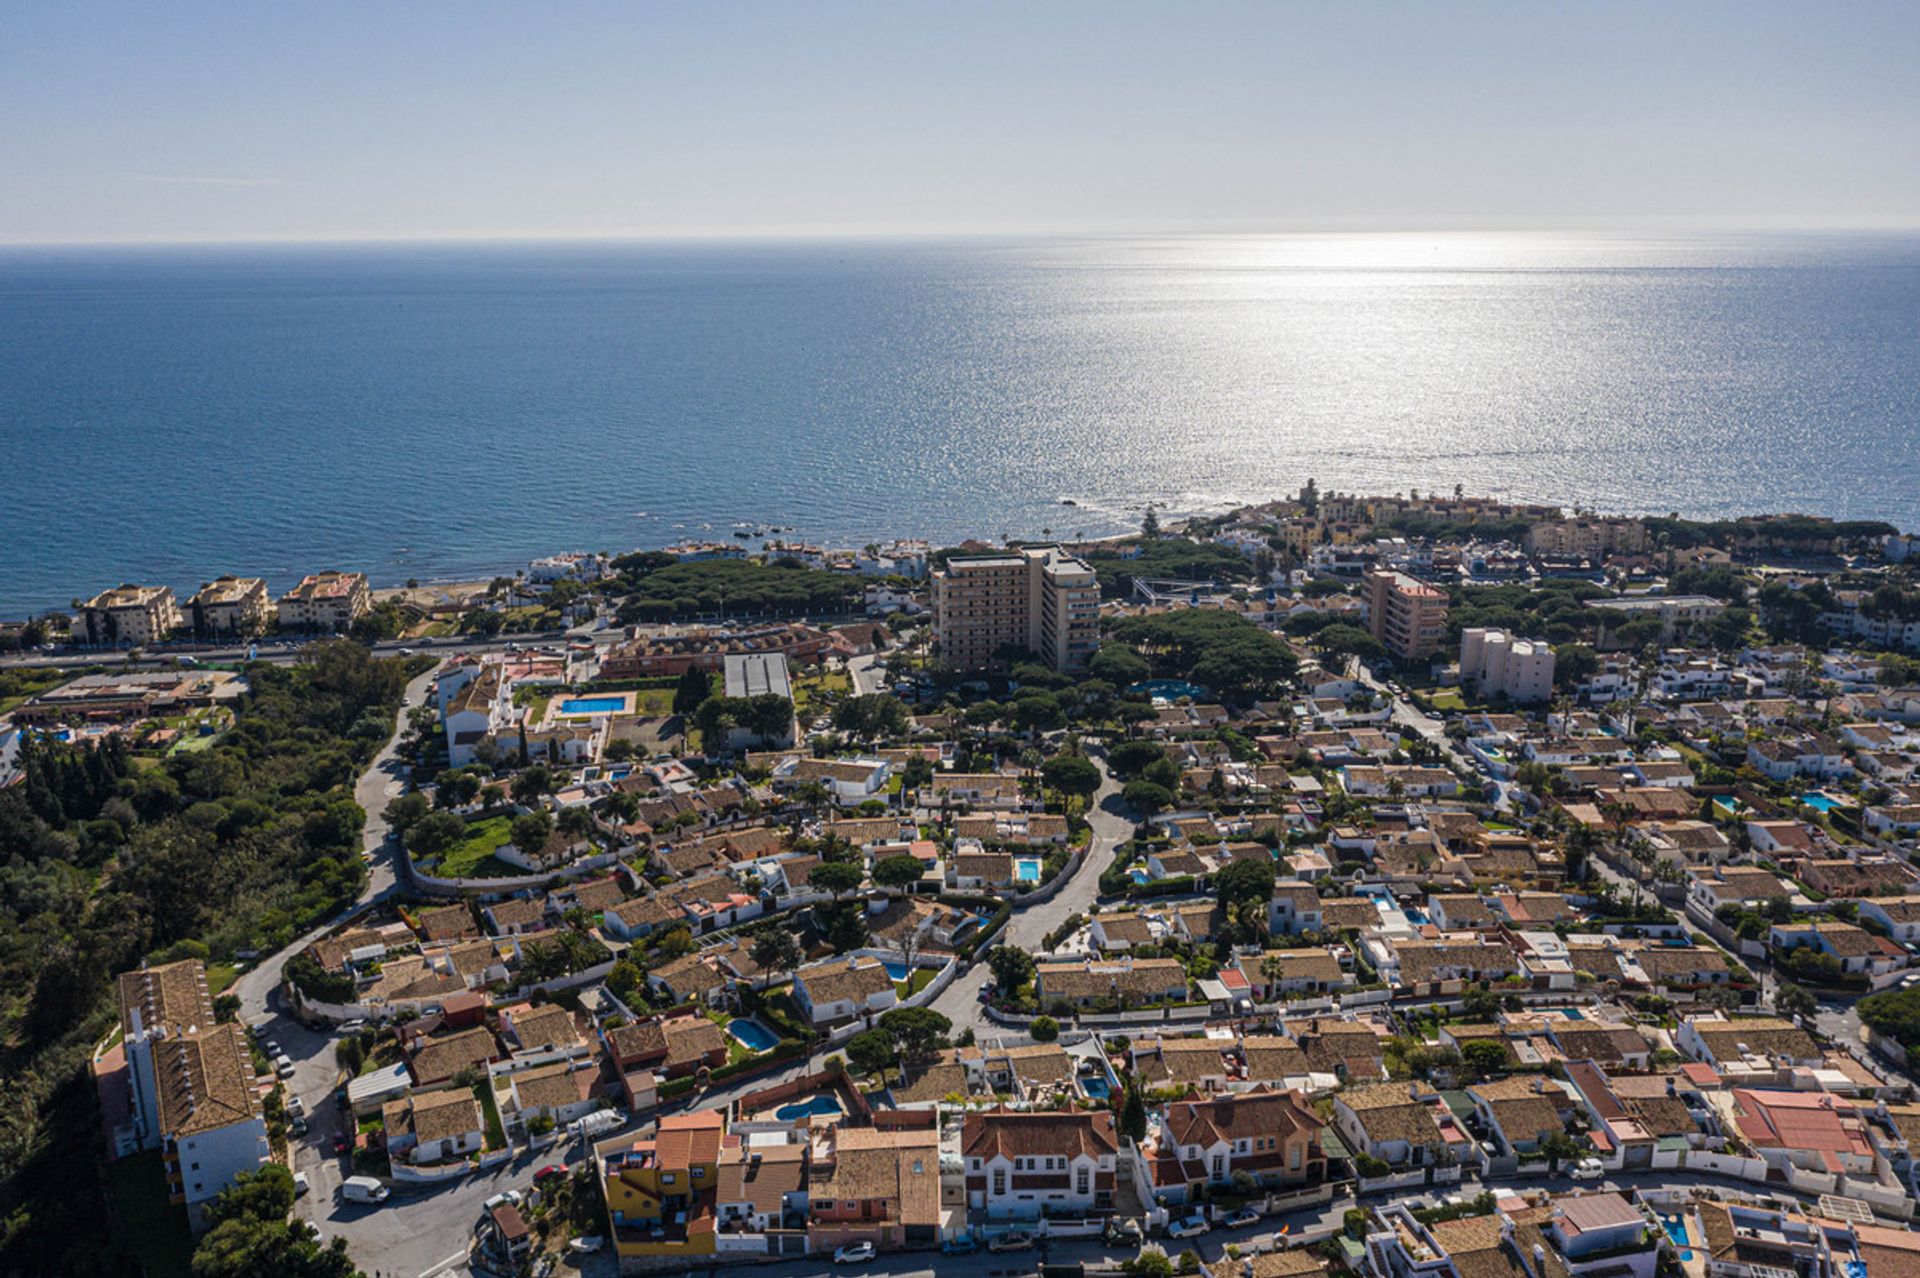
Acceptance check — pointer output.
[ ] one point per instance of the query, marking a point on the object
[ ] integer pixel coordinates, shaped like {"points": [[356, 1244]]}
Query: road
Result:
{"points": [[278, 651], [1028, 928]]}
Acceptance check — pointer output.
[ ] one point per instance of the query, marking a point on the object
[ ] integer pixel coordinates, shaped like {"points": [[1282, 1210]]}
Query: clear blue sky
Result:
{"points": [[189, 121]]}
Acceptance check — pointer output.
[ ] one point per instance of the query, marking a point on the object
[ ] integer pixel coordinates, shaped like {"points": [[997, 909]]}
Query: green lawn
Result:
{"points": [[150, 1232], [220, 976], [472, 856], [496, 1135], [917, 980], [1444, 701]]}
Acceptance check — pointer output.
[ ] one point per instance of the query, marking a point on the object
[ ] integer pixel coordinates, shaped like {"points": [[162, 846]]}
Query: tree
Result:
{"points": [[675, 943], [1484, 1056], [251, 1234], [837, 877], [842, 924], [1012, 967], [530, 783], [871, 717], [530, 831], [1248, 879], [405, 810], [1119, 665], [1130, 759], [1150, 525], [1044, 1029], [695, 686], [870, 1051], [775, 950], [895, 872], [1146, 798], [435, 833], [1795, 1001], [1071, 774], [1133, 1114], [920, 1031]]}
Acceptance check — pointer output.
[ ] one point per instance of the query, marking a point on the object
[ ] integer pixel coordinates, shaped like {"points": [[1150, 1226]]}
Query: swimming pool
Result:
{"points": [[1026, 869], [1819, 802], [1096, 1086], [1677, 1235], [593, 705], [897, 970], [1415, 917], [1139, 876], [1167, 690], [818, 1106], [753, 1035]]}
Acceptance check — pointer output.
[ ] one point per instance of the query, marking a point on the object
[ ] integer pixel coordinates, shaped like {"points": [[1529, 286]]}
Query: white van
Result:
{"points": [[363, 1189]]}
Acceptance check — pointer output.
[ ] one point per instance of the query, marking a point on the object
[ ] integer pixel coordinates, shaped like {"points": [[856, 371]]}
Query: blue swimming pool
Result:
{"points": [[1167, 690], [1677, 1235], [593, 705], [818, 1106], [1415, 917], [753, 1035], [1139, 876], [1026, 869], [897, 970], [1818, 802], [1096, 1086]]}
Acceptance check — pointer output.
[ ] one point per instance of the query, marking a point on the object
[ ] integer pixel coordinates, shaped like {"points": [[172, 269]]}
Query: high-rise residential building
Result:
{"points": [[189, 1085], [1037, 599], [1499, 665], [326, 601], [1406, 615], [230, 606], [129, 615]]}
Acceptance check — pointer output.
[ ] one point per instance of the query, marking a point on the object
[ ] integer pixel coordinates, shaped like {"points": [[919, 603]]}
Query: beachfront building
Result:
{"points": [[1587, 538], [128, 616], [188, 1085], [326, 601], [1406, 615], [1034, 599], [1500, 665], [230, 607]]}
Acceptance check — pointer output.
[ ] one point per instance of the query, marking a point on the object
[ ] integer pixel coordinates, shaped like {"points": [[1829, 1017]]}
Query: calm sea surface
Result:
{"points": [[170, 415]]}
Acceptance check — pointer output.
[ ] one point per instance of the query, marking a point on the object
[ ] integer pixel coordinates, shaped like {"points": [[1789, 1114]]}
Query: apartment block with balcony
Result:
{"points": [[1406, 615], [1036, 599], [326, 601], [1500, 665], [128, 616], [230, 607], [188, 1086]]}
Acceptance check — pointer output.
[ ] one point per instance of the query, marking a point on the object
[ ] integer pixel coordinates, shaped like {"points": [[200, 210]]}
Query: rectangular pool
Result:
{"points": [[1026, 869], [1096, 1086], [1818, 802], [593, 705], [752, 1035]]}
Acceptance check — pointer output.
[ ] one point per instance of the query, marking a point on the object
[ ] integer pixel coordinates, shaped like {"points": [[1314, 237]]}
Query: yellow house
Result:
{"points": [[660, 1192]]}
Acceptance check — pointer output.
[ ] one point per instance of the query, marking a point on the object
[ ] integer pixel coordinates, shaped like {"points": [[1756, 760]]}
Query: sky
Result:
{"points": [[191, 121]]}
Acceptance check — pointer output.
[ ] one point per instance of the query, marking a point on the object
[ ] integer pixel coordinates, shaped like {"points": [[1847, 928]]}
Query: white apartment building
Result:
{"points": [[1500, 665], [129, 616]]}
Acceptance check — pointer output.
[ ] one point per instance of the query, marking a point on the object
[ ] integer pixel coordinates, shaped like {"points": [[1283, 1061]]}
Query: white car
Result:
{"points": [[1587, 1169], [504, 1197], [301, 1184], [296, 1108], [283, 1065], [588, 1245], [853, 1254], [1188, 1227]]}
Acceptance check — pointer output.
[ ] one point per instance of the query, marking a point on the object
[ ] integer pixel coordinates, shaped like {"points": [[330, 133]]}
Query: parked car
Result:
{"points": [[298, 1127], [1242, 1218], [1587, 1169], [363, 1189], [504, 1198], [283, 1065], [853, 1254], [1188, 1227], [301, 1184], [1124, 1233], [548, 1173], [1012, 1240], [296, 1108], [960, 1245], [588, 1245]]}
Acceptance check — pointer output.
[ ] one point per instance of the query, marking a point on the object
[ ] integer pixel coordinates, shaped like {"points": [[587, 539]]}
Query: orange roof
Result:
{"points": [[687, 1140]]}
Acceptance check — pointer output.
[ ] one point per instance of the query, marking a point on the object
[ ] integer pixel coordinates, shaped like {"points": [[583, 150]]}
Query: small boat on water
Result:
{"points": [[1068, 501]]}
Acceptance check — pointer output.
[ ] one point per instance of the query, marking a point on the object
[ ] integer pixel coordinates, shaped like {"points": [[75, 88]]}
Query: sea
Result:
{"points": [[449, 411]]}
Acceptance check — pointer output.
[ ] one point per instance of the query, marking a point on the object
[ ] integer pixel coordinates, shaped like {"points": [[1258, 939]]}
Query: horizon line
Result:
{"points": [[1358, 225]]}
